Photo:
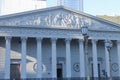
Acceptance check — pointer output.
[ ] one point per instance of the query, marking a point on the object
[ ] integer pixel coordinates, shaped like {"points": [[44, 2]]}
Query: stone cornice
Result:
{"points": [[57, 33], [102, 35], [39, 32]]}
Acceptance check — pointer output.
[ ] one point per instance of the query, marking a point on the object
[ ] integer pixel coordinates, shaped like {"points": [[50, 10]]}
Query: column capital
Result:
{"points": [[53, 39], [68, 39], [8, 38], [118, 41], [94, 40], [81, 40], [23, 38], [39, 38]]}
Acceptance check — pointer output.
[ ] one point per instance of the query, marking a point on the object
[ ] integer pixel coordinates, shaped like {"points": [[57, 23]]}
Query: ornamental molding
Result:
{"points": [[40, 32], [103, 35]]}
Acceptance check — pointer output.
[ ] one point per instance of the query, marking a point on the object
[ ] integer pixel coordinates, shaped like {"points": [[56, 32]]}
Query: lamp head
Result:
{"points": [[84, 30]]}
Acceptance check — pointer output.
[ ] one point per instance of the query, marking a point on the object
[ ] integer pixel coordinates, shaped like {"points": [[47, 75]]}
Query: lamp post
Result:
{"points": [[108, 44], [84, 31]]}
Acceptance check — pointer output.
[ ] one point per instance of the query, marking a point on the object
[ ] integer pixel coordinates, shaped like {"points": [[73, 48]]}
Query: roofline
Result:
{"points": [[30, 12]]}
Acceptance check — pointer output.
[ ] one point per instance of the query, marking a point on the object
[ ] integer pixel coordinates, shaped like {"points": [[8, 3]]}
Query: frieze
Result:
{"points": [[57, 33], [101, 35], [39, 32]]}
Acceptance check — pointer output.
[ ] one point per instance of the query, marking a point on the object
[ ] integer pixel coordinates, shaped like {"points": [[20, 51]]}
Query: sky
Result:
{"points": [[15, 6], [98, 7]]}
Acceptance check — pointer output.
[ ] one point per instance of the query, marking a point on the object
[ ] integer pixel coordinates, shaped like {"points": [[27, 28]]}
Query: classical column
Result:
{"points": [[118, 52], [82, 59], [23, 63], [39, 57], [107, 62], [54, 61], [95, 62], [68, 59], [7, 57]]}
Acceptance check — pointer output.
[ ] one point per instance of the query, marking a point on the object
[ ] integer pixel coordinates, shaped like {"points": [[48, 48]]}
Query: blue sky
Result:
{"points": [[0, 5], [98, 7]]}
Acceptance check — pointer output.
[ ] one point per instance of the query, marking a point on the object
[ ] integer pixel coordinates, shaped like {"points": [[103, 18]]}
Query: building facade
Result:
{"points": [[15, 6], [74, 4], [48, 43]]}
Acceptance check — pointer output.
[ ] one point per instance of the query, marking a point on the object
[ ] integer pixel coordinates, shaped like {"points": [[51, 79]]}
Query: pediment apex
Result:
{"points": [[48, 9]]}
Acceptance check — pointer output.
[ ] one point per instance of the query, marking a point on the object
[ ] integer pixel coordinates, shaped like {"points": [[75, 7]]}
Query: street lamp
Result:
{"points": [[84, 31], [108, 44]]}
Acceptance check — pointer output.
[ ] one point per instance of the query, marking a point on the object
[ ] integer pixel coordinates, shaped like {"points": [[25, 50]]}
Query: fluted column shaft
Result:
{"points": [[82, 59], [95, 62], [118, 52], [54, 60], [23, 64], [68, 59], [7, 57], [39, 57], [107, 62]]}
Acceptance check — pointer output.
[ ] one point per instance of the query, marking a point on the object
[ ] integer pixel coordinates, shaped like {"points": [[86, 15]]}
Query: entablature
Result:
{"points": [[57, 33]]}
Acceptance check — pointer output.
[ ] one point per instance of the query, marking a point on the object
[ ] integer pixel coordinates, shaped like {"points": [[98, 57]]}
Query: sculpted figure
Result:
{"points": [[48, 20], [57, 19], [71, 20], [67, 20], [37, 21], [77, 20]]}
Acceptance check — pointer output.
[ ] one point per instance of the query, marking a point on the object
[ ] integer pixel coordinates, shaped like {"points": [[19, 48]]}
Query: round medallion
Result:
{"points": [[76, 67], [43, 67], [115, 67]]}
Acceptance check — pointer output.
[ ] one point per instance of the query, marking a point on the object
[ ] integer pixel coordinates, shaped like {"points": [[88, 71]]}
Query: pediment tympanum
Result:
{"points": [[56, 17], [53, 18]]}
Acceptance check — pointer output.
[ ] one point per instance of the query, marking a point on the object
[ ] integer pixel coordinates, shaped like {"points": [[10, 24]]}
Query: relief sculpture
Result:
{"points": [[59, 19], [66, 20]]}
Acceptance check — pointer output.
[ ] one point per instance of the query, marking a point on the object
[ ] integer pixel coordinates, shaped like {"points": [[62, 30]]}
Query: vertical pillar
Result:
{"points": [[39, 58], [118, 52], [68, 59], [54, 63], [82, 59], [7, 57], [107, 62], [95, 62], [23, 63]]}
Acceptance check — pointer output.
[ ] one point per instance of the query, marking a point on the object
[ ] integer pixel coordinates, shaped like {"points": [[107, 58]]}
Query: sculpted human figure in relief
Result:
{"points": [[78, 21], [48, 20], [57, 19]]}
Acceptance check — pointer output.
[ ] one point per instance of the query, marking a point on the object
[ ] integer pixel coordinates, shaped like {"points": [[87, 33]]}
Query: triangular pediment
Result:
{"points": [[57, 17]]}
